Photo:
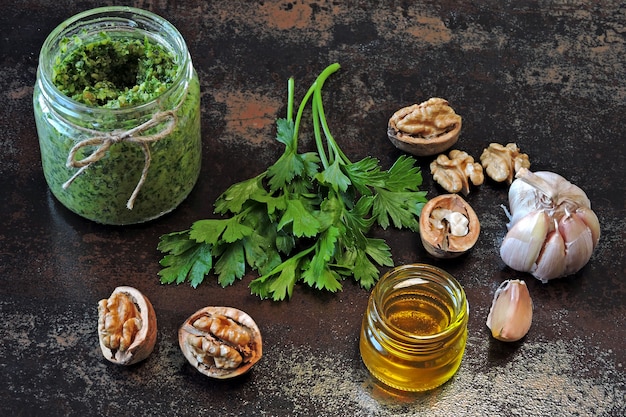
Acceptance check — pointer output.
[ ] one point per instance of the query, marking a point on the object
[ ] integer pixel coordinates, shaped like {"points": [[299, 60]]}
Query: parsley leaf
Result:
{"points": [[304, 222], [187, 259], [402, 207], [334, 176], [238, 194]]}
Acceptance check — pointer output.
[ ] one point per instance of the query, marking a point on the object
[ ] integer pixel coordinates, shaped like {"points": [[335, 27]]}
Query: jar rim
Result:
{"points": [[131, 17], [431, 273]]}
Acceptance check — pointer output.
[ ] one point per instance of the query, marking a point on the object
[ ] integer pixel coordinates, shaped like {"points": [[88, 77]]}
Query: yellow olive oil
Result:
{"points": [[417, 314], [415, 328]]}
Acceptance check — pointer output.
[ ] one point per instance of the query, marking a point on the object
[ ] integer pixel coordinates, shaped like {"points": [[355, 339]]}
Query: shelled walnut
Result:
{"points": [[449, 226], [425, 129], [127, 326], [455, 171], [502, 162], [220, 342]]}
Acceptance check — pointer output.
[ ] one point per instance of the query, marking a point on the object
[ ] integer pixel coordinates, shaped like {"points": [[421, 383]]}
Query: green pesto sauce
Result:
{"points": [[101, 192], [114, 73]]}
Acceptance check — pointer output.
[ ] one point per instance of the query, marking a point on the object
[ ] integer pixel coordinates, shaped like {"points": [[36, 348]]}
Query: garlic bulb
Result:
{"points": [[511, 312], [552, 229]]}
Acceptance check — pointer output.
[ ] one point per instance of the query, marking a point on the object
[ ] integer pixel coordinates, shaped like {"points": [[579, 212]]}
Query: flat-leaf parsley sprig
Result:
{"points": [[304, 219]]}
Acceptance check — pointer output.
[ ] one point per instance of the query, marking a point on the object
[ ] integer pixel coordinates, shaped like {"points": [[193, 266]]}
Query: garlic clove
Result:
{"points": [[551, 261], [522, 244], [579, 246], [523, 200], [511, 312], [591, 220]]}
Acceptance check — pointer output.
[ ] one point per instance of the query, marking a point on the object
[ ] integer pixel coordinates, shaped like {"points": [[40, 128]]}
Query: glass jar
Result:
{"points": [[139, 158], [414, 330]]}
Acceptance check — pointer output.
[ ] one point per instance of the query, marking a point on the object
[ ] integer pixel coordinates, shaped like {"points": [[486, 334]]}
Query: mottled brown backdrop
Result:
{"points": [[548, 75]]}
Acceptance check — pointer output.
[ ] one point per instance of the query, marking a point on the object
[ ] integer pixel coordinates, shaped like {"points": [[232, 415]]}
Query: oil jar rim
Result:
{"points": [[421, 271], [130, 18]]}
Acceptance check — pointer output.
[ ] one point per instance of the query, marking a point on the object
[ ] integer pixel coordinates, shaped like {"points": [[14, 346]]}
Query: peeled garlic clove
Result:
{"points": [[511, 312], [127, 327], [551, 261], [522, 244]]}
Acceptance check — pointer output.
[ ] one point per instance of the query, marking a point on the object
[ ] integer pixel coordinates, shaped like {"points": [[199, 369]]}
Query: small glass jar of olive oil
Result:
{"points": [[415, 328]]}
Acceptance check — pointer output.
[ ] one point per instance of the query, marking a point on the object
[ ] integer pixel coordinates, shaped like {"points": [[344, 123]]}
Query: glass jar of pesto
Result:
{"points": [[117, 108]]}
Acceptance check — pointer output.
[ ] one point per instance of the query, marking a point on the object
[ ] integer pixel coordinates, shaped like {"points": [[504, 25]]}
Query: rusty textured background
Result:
{"points": [[548, 75]]}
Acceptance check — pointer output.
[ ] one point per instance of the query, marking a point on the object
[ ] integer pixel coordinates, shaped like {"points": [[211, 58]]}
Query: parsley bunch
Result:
{"points": [[306, 218]]}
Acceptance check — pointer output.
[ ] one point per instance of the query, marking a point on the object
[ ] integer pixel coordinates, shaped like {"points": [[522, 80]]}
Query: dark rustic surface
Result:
{"points": [[547, 75]]}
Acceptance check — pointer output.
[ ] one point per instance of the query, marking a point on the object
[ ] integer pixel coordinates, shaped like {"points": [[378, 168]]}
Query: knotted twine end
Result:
{"points": [[106, 140]]}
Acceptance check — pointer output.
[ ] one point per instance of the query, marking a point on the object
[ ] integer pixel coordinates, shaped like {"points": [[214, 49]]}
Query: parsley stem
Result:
{"points": [[303, 103], [278, 268], [290, 94], [330, 140], [317, 84], [319, 117], [318, 135]]}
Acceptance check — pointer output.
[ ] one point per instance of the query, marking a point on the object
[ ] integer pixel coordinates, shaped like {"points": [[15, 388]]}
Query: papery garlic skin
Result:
{"points": [[552, 229], [511, 313]]}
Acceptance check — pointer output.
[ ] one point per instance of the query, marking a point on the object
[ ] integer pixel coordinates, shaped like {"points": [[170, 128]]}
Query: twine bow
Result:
{"points": [[106, 140]]}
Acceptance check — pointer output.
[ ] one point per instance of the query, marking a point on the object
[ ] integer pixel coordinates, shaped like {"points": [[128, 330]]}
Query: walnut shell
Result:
{"points": [[220, 342], [127, 326], [425, 129], [436, 234]]}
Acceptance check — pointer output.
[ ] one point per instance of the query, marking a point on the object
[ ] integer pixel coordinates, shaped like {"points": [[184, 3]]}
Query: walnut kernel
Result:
{"points": [[449, 226], [455, 171], [502, 162]]}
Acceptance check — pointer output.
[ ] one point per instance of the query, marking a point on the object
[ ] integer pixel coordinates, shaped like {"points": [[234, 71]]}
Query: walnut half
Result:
{"points": [[455, 171], [220, 342], [425, 129], [501, 163], [127, 327]]}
